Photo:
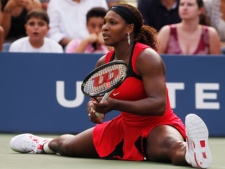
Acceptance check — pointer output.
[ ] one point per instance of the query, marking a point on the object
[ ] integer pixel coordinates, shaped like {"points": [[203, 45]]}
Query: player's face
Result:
{"points": [[36, 29], [188, 9], [94, 24], [114, 29]]}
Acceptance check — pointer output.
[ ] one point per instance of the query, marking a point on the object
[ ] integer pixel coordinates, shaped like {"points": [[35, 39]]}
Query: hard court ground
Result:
{"points": [[13, 160]]}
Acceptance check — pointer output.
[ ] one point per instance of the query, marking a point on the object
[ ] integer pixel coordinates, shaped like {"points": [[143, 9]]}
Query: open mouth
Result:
{"points": [[105, 36], [35, 33]]}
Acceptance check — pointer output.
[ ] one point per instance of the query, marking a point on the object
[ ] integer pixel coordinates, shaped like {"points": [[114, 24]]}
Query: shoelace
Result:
{"points": [[29, 145], [34, 144]]}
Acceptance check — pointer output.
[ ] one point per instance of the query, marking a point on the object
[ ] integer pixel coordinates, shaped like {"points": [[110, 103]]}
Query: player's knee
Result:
{"points": [[164, 151]]}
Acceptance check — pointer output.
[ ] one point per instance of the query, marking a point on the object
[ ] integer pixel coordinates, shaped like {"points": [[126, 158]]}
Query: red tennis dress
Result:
{"points": [[124, 136]]}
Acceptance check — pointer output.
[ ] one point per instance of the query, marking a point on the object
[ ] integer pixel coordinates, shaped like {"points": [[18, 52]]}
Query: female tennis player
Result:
{"points": [[147, 128]]}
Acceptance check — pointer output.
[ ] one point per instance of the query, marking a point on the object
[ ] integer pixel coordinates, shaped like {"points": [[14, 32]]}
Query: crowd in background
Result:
{"points": [[73, 27]]}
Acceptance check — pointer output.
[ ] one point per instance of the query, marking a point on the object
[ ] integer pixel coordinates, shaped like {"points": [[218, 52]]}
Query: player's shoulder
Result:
{"points": [[101, 61], [149, 59], [149, 52]]}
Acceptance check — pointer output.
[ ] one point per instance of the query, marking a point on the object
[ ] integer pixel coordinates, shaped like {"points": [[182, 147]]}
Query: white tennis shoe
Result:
{"points": [[197, 150], [28, 143]]}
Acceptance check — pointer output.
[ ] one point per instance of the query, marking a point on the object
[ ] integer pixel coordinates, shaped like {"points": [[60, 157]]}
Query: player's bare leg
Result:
{"points": [[166, 144], [80, 145]]}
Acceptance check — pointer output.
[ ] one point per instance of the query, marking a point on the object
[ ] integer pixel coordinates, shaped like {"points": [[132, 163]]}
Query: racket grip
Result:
{"points": [[105, 96], [100, 115]]}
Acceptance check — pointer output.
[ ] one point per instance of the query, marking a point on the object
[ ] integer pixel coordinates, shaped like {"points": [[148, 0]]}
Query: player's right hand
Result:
{"points": [[91, 112]]}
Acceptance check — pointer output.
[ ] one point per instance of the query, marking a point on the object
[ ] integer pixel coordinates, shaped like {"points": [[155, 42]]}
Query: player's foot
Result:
{"points": [[198, 153], [28, 143]]}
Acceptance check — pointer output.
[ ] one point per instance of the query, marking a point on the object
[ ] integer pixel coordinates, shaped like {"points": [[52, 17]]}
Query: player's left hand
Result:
{"points": [[104, 107]]}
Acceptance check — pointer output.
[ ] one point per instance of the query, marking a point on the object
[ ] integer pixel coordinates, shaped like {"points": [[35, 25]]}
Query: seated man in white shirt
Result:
{"points": [[68, 18]]}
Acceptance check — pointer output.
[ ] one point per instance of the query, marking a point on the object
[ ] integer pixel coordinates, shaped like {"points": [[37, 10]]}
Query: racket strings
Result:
{"points": [[107, 78]]}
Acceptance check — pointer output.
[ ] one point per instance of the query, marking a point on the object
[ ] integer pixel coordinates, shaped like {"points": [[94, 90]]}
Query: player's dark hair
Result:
{"points": [[142, 33], [37, 13], [96, 12]]}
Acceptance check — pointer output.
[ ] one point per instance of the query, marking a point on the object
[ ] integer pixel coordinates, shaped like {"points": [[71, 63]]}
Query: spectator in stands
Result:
{"points": [[158, 13], [94, 42], [215, 11], [68, 18], [37, 26], [44, 4], [1, 38], [13, 13], [189, 36], [113, 2]]}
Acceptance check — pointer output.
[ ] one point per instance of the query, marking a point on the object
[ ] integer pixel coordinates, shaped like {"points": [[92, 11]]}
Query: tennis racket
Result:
{"points": [[103, 80]]}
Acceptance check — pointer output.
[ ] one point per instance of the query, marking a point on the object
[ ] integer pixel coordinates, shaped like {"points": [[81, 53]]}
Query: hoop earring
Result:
{"points": [[128, 38]]}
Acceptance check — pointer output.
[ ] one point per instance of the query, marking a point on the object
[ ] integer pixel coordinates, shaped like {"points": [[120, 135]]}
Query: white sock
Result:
{"points": [[46, 148]]}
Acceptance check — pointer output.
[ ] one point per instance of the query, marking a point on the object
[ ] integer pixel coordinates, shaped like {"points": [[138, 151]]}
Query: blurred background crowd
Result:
{"points": [[74, 26]]}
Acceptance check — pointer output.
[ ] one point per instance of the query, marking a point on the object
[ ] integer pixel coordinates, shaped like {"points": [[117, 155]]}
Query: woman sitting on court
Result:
{"points": [[147, 128]]}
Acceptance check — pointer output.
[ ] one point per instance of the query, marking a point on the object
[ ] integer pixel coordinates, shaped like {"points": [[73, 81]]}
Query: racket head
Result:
{"points": [[104, 78]]}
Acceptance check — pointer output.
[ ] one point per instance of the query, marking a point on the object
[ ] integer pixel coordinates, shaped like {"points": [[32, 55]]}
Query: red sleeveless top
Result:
{"points": [[123, 137]]}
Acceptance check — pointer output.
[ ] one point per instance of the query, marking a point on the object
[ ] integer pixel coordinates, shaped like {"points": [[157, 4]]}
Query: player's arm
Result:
{"points": [[100, 62], [152, 69]]}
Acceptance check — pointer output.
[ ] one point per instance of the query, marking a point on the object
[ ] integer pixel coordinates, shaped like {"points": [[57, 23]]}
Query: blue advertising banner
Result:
{"points": [[40, 93]]}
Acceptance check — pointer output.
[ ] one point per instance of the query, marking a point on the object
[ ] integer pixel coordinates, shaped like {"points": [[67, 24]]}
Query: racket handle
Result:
{"points": [[105, 96], [100, 115]]}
